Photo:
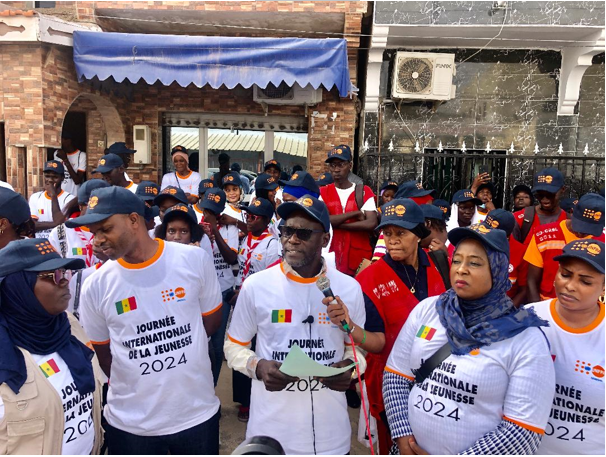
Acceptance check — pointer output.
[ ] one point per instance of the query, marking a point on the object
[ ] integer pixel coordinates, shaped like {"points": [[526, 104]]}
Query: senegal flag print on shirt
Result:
{"points": [[126, 305], [281, 316], [426, 332], [49, 368]]}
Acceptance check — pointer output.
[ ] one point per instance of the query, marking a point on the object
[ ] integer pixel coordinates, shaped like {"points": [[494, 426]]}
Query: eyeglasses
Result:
{"points": [[337, 164], [302, 234], [57, 275], [252, 217]]}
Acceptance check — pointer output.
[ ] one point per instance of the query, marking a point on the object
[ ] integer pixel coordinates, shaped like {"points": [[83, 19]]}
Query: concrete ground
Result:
{"points": [[233, 431]]}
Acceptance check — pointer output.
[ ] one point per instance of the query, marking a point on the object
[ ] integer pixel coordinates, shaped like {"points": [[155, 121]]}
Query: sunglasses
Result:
{"points": [[57, 275], [302, 234], [252, 217]]}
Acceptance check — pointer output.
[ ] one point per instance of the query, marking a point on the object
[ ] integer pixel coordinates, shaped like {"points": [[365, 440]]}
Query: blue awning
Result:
{"points": [[216, 61]]}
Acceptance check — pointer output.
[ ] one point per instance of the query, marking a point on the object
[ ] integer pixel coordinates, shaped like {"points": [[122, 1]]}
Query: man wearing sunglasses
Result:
{"points": [[282, 306]]}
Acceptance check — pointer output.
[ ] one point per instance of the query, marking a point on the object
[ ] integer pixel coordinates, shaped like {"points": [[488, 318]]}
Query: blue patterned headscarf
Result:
{"points": [[471, 324]]}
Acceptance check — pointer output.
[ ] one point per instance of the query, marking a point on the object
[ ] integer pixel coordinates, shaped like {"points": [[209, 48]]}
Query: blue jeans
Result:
{"points": [[201, 439], [218, 339]]}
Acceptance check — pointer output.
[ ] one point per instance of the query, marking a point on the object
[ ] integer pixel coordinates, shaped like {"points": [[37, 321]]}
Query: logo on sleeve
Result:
{"points": [[281, 316], [426, 333], [127, 305]]}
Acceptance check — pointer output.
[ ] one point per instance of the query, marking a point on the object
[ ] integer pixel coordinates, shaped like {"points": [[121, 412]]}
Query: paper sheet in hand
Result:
{"points": [[299, 365]]}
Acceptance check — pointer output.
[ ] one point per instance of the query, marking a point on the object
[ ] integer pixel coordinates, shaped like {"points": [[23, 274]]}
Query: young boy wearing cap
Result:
{"points": [[47, 206], [353, 213], [15, 217], [388, 192], [464, 203], [74, 162], [522, 197], [125, 153], [576, 338], [548, 186], [111, 167], [182, 177], [587, 222], [145, 327]]}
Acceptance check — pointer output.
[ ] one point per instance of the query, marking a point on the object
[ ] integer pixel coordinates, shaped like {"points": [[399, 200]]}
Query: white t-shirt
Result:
{"points": [[272, 306], [264, 251], [467, 396], [78, 244], [161, 380], [233, 211], [189, 184], [132, 187], [6, 185], [40, 205], [369, 205], [229, 233], [77, 159], [576, 423]]}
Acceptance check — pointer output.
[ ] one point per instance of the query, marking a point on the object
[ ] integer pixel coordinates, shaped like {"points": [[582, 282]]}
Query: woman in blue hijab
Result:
{"points": [[470, 373], [50, 380]]}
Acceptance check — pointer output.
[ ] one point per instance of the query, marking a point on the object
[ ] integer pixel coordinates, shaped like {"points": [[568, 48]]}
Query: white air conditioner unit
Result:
{"points": [[142, 144], [287, 95], [423, 76]]}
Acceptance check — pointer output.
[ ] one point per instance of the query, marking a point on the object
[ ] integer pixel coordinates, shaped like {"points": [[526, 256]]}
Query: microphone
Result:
{"points": [[308, 320], [323, 283]]}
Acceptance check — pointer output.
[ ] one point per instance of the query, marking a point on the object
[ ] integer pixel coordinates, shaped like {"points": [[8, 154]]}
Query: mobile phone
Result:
{"points": [[483, 169]]}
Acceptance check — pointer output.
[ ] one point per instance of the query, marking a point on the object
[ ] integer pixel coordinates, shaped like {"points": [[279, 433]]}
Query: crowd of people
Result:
{"points": [[474, 329]]}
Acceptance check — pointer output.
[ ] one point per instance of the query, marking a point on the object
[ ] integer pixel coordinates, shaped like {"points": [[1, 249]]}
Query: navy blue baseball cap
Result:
{"points": [[602, 192], [108, 162], [178, 148], [272, 163], [309, 204], [590, 251], [13, 206], [260, 207], [106, 202], [548, 180], [487, 185], [265, 181], [389, 184], [341, 152], [54, 166], [325, 179], [87, 188], [120, 148], [588, 215], [402, 212], [413, 189], [465, 195], [302, 179], [180, 210], [488, 236], [501, 219], [213, 200], [171, 191], [232, 178], [443, 205], [204, 185], [567, 204], [147, 190], [34, 254], [433, 212]]}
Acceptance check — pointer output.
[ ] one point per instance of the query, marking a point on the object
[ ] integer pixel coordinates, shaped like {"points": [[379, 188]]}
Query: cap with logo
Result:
{"points": [[13, 206], [171, 191], [178, 148], [34, 254], [108, 162], [147, 190], [548, 180], [87, 188], [567, 204], [433, 212], [465, 195], [120, 148], [325, 179], [106, 202], [213, 200], [402, 212], [302, 179], [590, 251], [260, 207], [588, 215], [265, 181], [54, 166], [204, 185], [310, 205], [413, 189], [341, 152], [272, 163], [493, 238], [232, 178], [443, 205], [389, 184], [180, 210], [501, 219]]}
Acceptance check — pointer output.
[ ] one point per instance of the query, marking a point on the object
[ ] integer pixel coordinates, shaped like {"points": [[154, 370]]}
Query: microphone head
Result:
{"points": [[323, 283]]}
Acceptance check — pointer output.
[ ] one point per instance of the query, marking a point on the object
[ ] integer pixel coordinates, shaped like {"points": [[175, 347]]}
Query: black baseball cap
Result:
{"points": [[260, 207], [265, 181], [487, 185], [311, 205], [488, 236], [302, 179], [232, 178], [443, 205], [341, 152], [147, 190], [178, 148], [402, 212], [108, 162], [54, 166], [433, 212], [213, 200], [120, 148], [588, 215], [389, 183], [325, 179], [34, 254], [590, 251], [223, 158], [465, 195], [87, 188], [106, 202], [501, 219], [413, 189], [204, 185], [548, 180], [171, 191], [236, 167], [522, 188], [13, 206], [272, 163]]}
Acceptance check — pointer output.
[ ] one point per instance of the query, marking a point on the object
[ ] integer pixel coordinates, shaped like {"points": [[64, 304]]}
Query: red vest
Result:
{"points": [[517, 274], [536, 223], [394, 302], [350, 248]]}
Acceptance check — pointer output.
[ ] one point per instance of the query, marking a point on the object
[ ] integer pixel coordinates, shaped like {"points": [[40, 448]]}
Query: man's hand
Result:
{"points": [[404, 445], [224, 219], [436, 245], [274, 380], [418, 450], [340, 382], [62, 155], [337, 312], [51, 189], [489, 205]]}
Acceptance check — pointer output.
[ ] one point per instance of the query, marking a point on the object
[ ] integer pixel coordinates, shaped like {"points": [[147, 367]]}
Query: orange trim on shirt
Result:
{"points": [[212, 310], [391, 370], [540, 431], [147, 263], [186, 176], [233, 340], [195, 207], [49, 198], [130, 185], [98, 343], [72, 153], [297, 278], [34, 217], [588, 328]]}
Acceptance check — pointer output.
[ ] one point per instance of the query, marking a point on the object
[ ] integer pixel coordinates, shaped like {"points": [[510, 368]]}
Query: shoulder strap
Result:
{"points": [[177, 178], [440, 260], [62, 240], [529, 213], [359, 194], [77, 294], [432, 363]]}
